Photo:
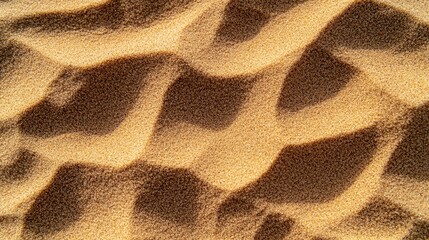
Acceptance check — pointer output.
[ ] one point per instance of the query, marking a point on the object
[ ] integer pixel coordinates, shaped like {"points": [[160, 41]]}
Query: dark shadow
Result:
{"points": [[10, 55], [274, 227], [244, 19], [58, 206], [411, 157], [419, 231], [367, 25], [234, 207], [316, 77], [20, 168], [170, 195], [417, 40], [271, 7], [240, 24], [381, 214], [316, 172], [108, 94], [106, 16], [209, 102]]}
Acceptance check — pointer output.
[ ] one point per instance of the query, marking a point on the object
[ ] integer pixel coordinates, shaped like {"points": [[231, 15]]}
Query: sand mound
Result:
{"points": [[218, 119]]}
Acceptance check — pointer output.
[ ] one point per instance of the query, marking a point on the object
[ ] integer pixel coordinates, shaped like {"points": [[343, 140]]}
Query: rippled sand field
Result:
{"points": [[214, 119]]}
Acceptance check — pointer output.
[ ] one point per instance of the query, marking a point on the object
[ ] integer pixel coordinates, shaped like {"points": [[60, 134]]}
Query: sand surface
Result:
{"points": [[214, 119]]}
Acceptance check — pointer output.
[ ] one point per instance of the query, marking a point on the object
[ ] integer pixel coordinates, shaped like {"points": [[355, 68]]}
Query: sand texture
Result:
{"points": [[214, 119]]}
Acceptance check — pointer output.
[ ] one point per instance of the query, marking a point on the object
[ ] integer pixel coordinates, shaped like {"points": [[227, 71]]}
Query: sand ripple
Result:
{"points": [[218, 119]]}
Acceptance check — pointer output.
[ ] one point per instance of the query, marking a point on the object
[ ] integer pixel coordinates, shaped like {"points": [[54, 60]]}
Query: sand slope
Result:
{"points": [[217, 119]]}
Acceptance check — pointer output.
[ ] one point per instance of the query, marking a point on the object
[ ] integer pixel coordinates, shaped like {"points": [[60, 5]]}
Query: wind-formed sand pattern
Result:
{"points": [[214, 119]]}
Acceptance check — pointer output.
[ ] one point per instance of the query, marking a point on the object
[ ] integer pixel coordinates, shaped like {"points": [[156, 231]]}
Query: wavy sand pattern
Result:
{"points": [[214, 119]]}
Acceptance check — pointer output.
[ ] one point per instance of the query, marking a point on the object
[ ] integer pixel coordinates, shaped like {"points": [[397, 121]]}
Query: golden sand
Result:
{"points": [[214, 119]]}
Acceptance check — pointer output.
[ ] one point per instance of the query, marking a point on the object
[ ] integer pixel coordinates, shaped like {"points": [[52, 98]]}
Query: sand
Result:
{"points": [[214, 119]]}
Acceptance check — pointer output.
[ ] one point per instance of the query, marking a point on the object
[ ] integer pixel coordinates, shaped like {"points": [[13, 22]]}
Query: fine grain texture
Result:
{"points": [[214, 119]]}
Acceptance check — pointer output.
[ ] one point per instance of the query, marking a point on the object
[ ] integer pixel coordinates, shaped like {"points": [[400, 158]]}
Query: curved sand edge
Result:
{"points": [[214, 119]]}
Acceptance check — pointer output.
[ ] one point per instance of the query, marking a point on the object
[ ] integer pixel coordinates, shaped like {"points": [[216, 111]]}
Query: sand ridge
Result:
{"points": [[218, 119]]}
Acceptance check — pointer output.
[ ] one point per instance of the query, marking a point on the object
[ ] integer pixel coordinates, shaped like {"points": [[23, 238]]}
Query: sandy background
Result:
{"points": [[214, 119]]}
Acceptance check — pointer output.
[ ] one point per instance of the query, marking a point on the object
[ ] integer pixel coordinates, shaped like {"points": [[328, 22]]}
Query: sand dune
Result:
{"points": [[219, 119]]}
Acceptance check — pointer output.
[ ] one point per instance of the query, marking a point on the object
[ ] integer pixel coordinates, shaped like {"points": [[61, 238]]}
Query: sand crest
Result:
{"points": [[217, 119]]}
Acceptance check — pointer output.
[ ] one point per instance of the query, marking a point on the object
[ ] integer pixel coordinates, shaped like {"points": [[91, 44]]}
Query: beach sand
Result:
{"points": [[214, 119]]}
